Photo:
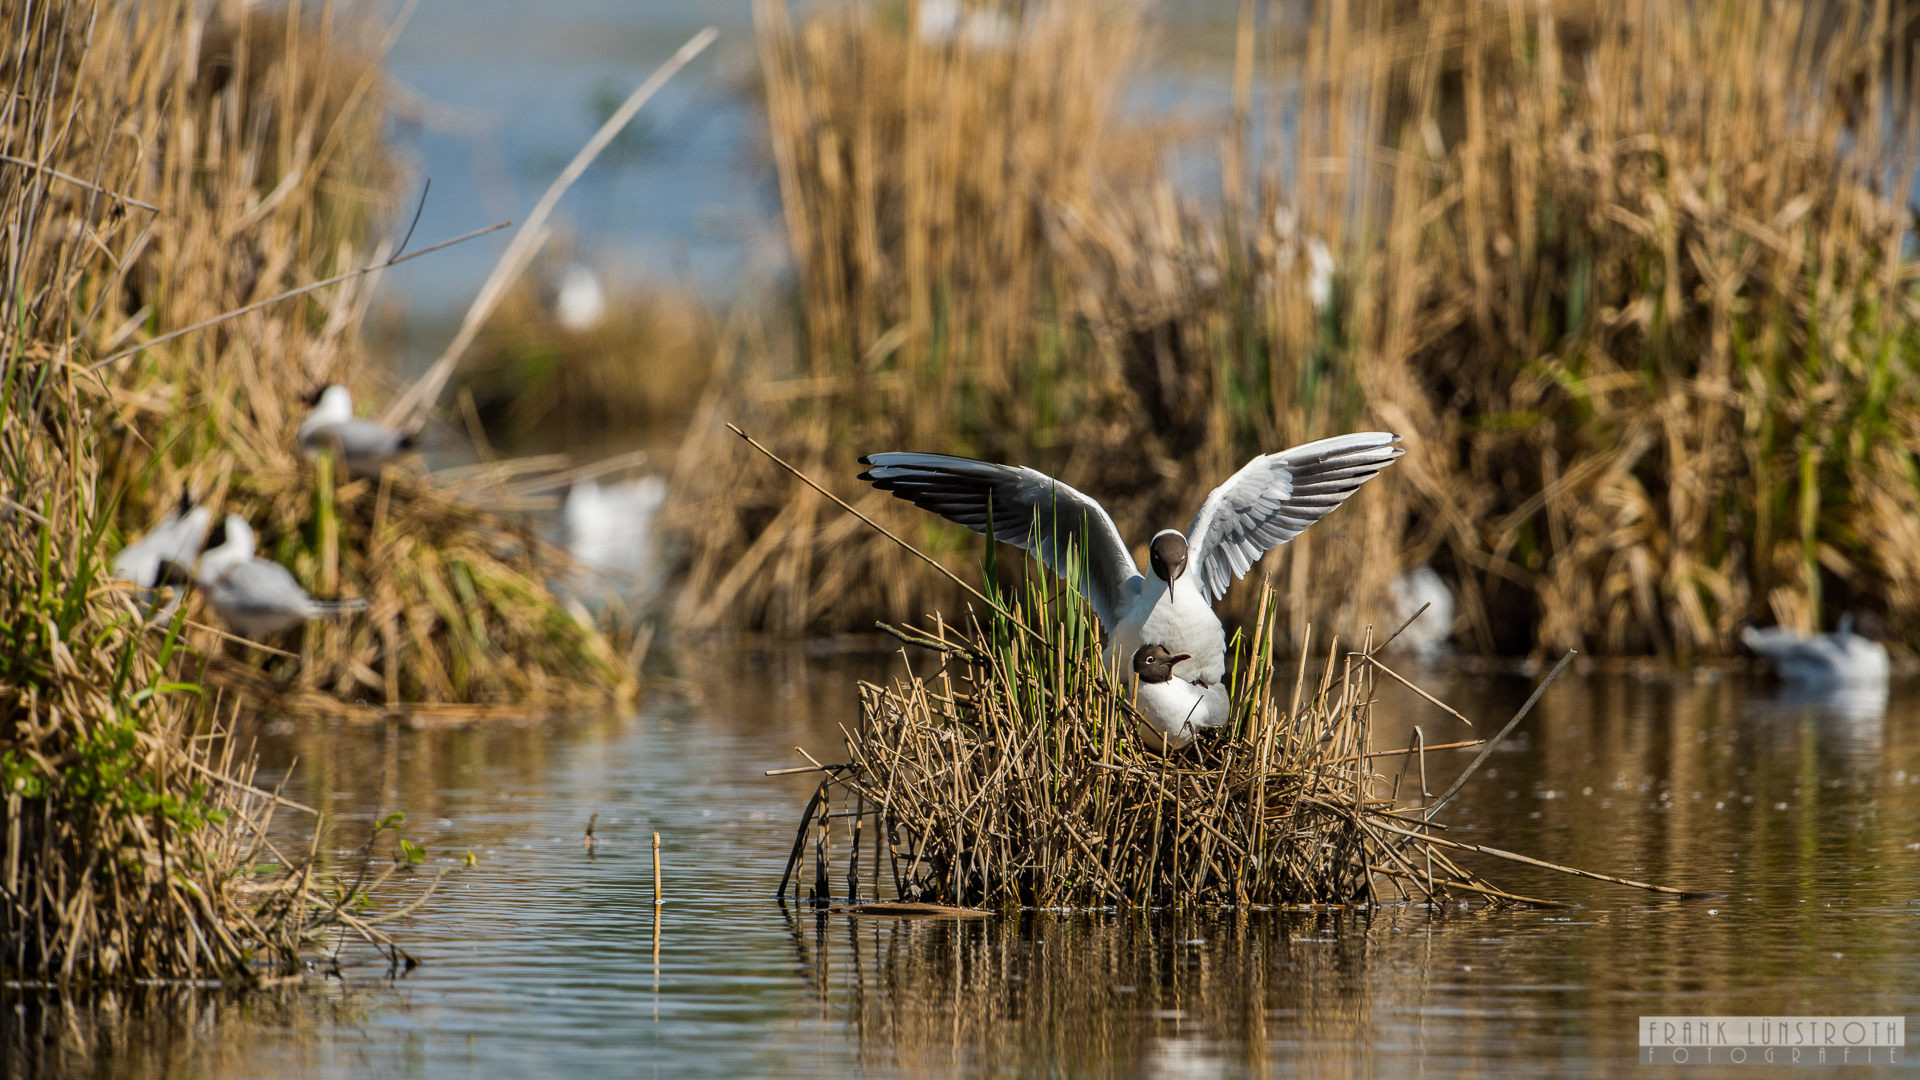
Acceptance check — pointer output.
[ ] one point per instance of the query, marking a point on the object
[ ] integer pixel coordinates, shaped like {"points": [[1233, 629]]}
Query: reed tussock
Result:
{"points": [[644, 363], [1634, 281], [255, 137], [1014, 775], [135, 842]]}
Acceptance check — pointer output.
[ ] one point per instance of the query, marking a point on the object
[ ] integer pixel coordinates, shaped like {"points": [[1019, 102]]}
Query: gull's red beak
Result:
{"points": [[1177, 659]]}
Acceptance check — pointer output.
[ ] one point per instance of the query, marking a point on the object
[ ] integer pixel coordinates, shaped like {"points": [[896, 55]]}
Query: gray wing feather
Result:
{"points": [[176, 539], [1028, 509], [1275, 497]]}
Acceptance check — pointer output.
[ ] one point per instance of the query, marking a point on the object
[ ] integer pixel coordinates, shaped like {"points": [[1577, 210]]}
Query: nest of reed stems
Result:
{"points": [[253, 139], [1014, 776], [1634, 282], [134, 836]]}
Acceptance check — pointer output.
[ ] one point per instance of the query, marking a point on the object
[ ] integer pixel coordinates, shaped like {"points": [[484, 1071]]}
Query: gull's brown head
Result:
{"points": [[1154, 664], [1168, 555]]}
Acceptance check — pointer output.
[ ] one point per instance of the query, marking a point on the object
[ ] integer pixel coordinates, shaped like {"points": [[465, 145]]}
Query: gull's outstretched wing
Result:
{"points": [[1275, 497], [177, 539], [1028, 509]]}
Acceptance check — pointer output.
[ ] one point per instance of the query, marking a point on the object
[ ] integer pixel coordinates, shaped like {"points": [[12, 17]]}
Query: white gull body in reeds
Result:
{"points": [[1175, 710], [1273, 499], [1820, 659], [256, 597], [610, 528], [166, 553], [1425, 637], [363, 445]]}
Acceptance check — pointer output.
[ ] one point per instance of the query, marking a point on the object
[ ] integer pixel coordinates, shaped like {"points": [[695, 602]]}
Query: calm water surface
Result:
{"points": [[540, 962]]}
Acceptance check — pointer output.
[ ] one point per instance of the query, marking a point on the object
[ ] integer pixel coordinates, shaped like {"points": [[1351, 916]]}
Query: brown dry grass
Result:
{"points": [[1631, 279], [257, 136]]}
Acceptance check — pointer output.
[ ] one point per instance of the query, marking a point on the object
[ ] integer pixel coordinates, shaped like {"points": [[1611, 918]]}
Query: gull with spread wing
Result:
{"points": [[161, 556], [1273, 499]]}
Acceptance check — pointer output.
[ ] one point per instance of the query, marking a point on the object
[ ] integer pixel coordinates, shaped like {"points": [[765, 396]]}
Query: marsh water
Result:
{"points": [[540, 959]]}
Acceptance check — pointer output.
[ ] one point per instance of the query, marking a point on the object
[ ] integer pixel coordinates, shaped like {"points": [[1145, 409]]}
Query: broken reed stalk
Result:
{"points": [[1010, 777]]}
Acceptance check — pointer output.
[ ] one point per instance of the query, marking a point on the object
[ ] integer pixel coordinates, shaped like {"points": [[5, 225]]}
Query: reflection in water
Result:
{"points": [[1849, 717], [1095, 993], [540, 960], [156, 1030]]}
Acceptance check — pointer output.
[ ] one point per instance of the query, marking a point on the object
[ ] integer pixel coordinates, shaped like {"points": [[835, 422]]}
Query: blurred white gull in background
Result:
{"points": [[610, 528], [1819, 659], [364, 445], [256, 597], [944, 21], [1319, 273], [579, 301], [1428, 634]]}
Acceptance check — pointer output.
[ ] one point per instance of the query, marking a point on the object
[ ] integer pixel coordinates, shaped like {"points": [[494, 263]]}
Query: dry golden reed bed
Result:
{"points": [[255, 135], [643, 365], [1632, 279], [135, 843]]}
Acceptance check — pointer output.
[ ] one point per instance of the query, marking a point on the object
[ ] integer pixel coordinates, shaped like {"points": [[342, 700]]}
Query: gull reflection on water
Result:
{"points": [[1850, 716]]}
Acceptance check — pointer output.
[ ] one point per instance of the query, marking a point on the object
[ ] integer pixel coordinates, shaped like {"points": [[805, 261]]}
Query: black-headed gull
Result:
{"points": [[1271, 500], [364, 445], [164, 554], [256, 597], [1175, 710], [1840, 657]]}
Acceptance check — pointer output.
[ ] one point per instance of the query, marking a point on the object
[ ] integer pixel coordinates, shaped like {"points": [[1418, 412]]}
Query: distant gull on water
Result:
{"points": [[1840, 657]]}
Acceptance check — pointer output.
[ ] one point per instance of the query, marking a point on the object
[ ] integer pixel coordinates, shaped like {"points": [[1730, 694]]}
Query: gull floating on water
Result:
{"points": [[163, 554], [1175, 710], [256, 597], [364, 445], [1273, 499], [1840, 657]]}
